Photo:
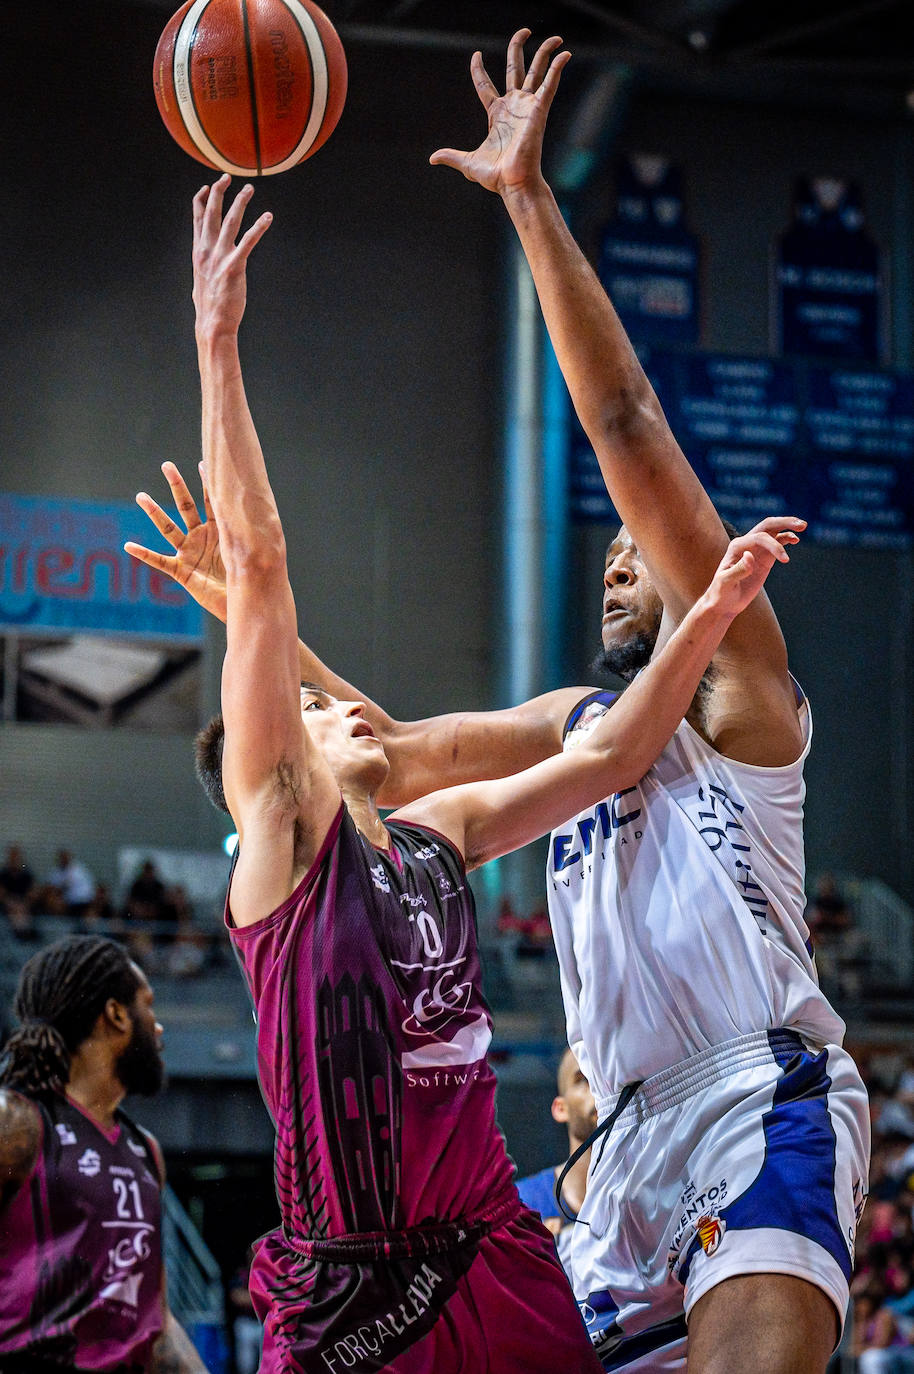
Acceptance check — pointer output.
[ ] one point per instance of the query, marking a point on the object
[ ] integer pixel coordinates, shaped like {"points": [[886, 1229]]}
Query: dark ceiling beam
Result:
{"points": [[403, 8], [678, 62], [798, 33], [620, 23], [387, 36]]}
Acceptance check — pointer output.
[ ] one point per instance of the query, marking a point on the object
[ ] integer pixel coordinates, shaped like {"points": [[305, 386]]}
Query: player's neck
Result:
{"points": [[364, 812], [94, 1087]]}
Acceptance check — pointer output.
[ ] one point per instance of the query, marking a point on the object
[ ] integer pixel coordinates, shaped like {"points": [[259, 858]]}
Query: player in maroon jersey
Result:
{"points": [[403, 1242], [81, 1277]]}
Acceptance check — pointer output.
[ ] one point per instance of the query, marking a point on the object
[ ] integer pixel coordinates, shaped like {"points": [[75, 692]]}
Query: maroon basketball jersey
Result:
{"points": [[371, 1039], [81, 1259]]}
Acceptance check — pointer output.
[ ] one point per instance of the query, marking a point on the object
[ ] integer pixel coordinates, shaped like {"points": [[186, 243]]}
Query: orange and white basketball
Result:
{"points": [[250, 87]]}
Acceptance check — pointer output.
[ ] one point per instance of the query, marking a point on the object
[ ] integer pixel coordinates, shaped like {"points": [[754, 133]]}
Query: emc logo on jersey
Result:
{"points": [[608, 816]]}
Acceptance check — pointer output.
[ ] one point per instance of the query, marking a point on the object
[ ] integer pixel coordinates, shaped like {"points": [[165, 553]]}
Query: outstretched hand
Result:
{"points": [[196, 563], [220, 264], [509, 158], [750, 558]]}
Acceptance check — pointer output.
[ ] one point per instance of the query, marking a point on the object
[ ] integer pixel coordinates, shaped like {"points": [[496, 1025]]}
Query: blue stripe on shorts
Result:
{"points": [[795, 1187]]}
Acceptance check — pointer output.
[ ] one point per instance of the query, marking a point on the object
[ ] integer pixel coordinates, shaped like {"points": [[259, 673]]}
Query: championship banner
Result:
{"points": [[861, 472], [63, 569], [738, 420], [649, 261], [827, 280], [767, 436]]}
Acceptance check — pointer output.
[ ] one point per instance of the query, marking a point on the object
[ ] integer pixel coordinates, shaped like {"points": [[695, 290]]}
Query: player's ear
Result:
{"points": [[559, 1109], [117, 1015]]}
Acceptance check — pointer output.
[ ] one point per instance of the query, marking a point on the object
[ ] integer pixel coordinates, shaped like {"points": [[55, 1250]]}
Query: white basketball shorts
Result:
{"points": [[749, 1158]]}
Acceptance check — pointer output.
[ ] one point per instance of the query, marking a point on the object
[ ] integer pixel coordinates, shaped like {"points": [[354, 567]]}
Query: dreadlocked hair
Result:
{"points": [[62, 991]]}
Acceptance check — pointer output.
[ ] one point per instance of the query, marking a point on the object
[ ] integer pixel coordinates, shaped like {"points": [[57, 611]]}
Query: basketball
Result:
{"points": [[250, 87]]}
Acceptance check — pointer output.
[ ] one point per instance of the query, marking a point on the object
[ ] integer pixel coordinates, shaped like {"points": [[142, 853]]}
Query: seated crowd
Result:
{"points": [[155, 919], [883, 1287]]}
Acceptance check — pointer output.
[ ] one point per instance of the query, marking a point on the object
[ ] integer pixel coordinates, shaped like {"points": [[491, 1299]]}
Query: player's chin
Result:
{"points": [[618, 632], [374, 767]]}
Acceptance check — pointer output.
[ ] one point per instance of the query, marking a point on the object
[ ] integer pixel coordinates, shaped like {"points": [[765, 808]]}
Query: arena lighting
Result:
{"points": [[230, 844]]}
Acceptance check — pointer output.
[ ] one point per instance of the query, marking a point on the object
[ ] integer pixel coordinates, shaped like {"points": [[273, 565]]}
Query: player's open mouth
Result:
{"points": [[363, 730]]}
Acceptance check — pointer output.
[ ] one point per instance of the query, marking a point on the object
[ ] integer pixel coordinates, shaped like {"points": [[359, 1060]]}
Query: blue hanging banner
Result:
{"points": [[828, 288], [860, 428], [63, 569], [772, 437], [738, 421], [649, 262]]}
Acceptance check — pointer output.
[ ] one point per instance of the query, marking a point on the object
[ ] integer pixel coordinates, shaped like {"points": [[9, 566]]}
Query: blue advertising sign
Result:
{"points": [[649, 262], [63, 569], [828, 283]]}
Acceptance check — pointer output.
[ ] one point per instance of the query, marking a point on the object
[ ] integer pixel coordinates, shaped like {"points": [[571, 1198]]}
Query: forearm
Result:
{"points": [[239, 488], [651, 484], [607, 382], [174, 1352]]}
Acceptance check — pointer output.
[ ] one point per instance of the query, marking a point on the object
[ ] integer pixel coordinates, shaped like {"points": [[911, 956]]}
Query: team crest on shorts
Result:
{"points": [[710, 1233]]}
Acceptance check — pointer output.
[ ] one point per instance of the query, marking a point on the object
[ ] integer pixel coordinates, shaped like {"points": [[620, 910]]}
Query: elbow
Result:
{"points": [[257, 555], [625, 407], [629, 416], [619, 770]]}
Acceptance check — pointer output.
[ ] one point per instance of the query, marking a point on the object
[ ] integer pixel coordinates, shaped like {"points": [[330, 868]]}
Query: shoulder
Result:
{"points": [[152, 1146], [21, 1130], [432, 828], [588, 709]]}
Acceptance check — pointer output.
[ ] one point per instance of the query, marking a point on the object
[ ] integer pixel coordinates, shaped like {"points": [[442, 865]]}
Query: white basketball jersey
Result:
{"points": [[677, 909]]}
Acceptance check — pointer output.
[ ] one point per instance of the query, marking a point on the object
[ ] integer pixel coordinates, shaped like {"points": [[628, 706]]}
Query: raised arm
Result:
{"points": [[667, 512], [461, 746], [279, 789], [487, 819]]}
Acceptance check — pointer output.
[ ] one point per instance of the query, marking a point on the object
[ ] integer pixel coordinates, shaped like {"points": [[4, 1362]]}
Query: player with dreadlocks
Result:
{"points": [[81, 1276]]}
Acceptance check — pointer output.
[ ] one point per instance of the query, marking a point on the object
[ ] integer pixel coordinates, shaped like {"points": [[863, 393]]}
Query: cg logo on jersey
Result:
{"points": [[435, 1007]]}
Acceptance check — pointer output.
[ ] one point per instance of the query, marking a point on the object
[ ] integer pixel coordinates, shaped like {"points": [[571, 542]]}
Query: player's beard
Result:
{"points": [[139, 1066], [626, 659]]}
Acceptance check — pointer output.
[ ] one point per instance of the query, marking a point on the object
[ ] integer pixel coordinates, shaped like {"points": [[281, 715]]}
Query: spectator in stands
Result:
{"points": [[883, 1286], [839, 944], [574, 1106], [534, 932], [146, 913], [17, 890], [73, 881], [896, 1114], [878, 1343], [101, 912], [187, 955]]}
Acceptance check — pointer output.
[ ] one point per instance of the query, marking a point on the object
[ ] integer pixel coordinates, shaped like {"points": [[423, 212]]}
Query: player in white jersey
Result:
{"points": [[723, 1201]]}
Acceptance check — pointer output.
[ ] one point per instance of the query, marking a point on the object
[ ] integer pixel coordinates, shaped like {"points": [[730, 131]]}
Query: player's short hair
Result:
{"points": [[208, 747], [62, 991]]}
